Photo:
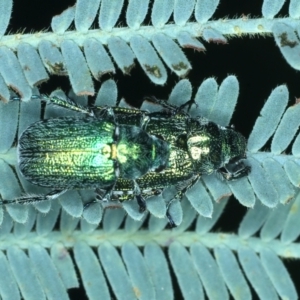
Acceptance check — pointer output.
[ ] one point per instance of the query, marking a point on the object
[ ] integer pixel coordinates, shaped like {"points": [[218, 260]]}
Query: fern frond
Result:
{"points": [[53, 248], [203, 262], [274, 176], [86, 53]]}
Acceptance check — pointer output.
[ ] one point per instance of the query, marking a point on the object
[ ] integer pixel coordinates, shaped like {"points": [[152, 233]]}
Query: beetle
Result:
{"points": [[125, 153]]}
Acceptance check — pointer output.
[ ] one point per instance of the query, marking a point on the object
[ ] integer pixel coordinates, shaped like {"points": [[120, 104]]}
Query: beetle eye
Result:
{"points": [[235, 169]]}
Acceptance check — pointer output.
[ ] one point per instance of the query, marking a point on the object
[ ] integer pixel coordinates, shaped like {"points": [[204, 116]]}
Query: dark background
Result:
{"points": [[256, 61]]}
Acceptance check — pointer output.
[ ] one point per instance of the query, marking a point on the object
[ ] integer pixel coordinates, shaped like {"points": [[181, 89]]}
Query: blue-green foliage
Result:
{"points": [[77, 53], [83, 233], [35, 260]]}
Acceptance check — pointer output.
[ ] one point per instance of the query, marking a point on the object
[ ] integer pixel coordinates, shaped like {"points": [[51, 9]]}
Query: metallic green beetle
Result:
{"points": [[125, 153]]}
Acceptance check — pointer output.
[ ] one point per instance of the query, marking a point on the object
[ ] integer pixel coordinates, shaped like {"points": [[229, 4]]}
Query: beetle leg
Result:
{"points": [[170, 219], [144, 122], [180, 193], [136, 193], [28, 199], [162, 103], [141, 203], [88, 204], [172, 108], [67, 103], [102, 195], [234, 169], [139, 198], [105, 112]]}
